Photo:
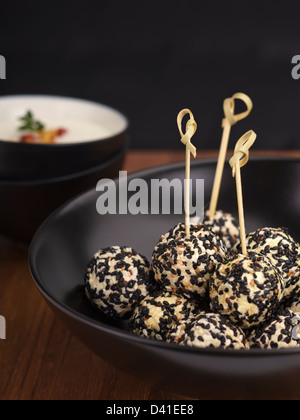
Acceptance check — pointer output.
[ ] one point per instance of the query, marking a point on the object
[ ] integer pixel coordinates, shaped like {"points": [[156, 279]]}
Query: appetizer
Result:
{"points": [[184, 264], [117, 279], [158, 313]]}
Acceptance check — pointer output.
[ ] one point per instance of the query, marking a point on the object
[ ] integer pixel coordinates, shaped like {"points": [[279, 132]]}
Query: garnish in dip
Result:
{"points": [[34, 131]]}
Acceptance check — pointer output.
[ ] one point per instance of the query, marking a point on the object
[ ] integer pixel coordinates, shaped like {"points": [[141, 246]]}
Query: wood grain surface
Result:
{"points": [[40, 360]]}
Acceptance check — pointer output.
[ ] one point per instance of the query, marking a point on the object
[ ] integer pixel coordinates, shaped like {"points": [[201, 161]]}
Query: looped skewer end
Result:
{"points": [[191, 129], [241, 152], [229, 108]]}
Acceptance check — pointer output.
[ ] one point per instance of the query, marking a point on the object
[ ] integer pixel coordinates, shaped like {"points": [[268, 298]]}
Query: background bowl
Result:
{"points": [[25, 205], [66, 242], [95, 133]]}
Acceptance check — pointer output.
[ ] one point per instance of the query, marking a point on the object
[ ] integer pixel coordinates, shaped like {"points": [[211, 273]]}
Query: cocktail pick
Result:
{"points": [[238, 161], [186, 137], [229, 120]]}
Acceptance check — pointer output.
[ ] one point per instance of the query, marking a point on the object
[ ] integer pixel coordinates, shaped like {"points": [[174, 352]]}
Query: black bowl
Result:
{"points": [[66, 242], [25, 205], [78, 151]]}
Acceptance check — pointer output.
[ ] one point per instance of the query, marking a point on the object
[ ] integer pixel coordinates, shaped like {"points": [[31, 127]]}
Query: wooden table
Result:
{"points": [[40, 360]]}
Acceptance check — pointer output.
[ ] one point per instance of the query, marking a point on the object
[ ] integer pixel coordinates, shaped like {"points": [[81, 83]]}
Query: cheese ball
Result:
{"points": [[158, 313], [247, 290], [117, 279], [282, 332], [208, 330], [184, 265], [225, 226], [284, 254]]}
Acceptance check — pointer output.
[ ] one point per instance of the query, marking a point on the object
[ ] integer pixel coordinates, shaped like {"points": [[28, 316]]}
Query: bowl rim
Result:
{"points": [[68, 98], [70, 177], [125, 335]]}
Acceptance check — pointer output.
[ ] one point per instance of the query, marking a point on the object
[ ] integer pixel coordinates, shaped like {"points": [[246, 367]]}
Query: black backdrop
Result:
{"points": [[150, 59]]}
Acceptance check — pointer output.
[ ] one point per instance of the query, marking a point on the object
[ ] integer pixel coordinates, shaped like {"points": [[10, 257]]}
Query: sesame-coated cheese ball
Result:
{"points": [[282, 332], [284, 254], [117, 279], [225, 226], [184, 265], [248, 290], [208, 330], [158, 313]]}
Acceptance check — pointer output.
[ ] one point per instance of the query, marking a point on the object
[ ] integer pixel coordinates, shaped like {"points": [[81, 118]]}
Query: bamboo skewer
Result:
{"points": [[191, 129], [229, 120], [238, 161]]}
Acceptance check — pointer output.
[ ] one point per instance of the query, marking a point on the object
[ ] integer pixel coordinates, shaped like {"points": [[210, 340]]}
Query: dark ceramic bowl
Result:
{"points": [[25, 205], [95, 133], [64, 245]]}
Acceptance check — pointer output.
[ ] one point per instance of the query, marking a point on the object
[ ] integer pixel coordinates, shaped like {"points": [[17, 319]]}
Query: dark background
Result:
{"points": [[151, 59]]}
